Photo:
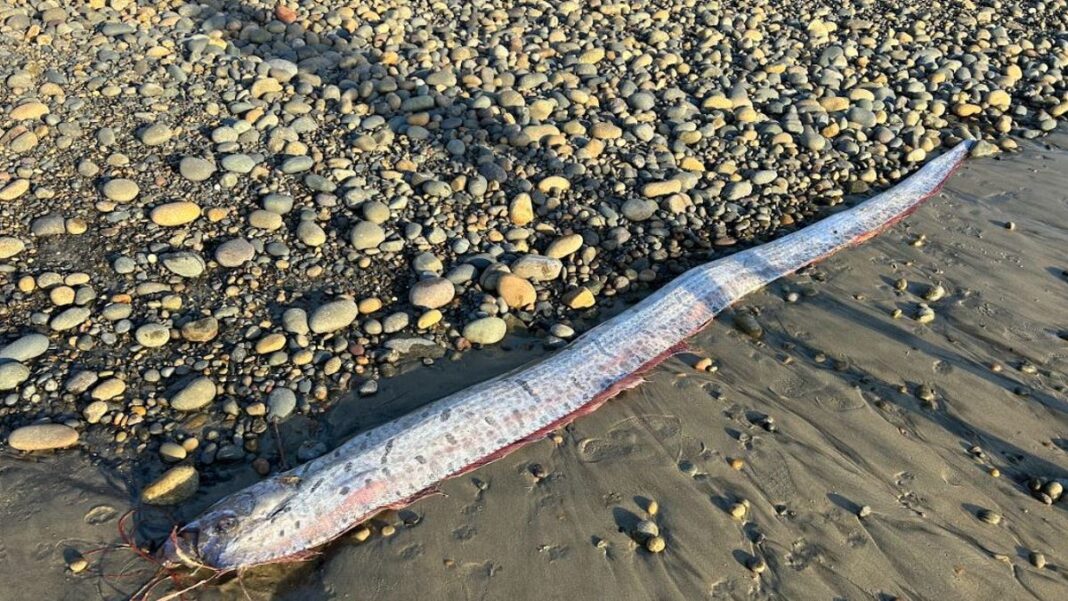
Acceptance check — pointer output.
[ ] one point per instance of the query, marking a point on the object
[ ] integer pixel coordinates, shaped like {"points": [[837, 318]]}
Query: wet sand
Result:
{"points": [[837, 373]]}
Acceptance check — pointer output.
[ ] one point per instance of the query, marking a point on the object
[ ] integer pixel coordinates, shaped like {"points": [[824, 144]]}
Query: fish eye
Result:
{"points": [[226, 524]]}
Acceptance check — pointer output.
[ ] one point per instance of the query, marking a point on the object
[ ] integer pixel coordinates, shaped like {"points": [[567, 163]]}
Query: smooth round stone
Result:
{"points": [[333, 316], [281, 402], [172, 451], [187, 264], [12, 373], [201, 330], [366, 235], [641, 101], [395, 322], [278, 203], [234, 253], [194, 395], [71, 318], [174, 486], [43, 437], [564, 246], [431, 293], [638, 209], [156, 135], [152, 335], [537, 267], [265, 220], [487, 330], [238, 163], [196, 169], [297, 164], [108, 389], [311, 234], [516, 292], [121, 190], [25, 348], [10, 246], [375, 212], [175, 213]]}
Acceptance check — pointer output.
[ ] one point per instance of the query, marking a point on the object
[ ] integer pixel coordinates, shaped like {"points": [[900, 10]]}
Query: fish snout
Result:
{"points": [[180, 549]]}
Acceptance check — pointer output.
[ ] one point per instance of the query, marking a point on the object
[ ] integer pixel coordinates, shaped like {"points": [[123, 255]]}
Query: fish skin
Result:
{"points": [[291, 514]]}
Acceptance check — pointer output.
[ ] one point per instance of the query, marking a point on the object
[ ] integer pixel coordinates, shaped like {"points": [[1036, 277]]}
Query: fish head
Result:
{"points": [[225, 536]]}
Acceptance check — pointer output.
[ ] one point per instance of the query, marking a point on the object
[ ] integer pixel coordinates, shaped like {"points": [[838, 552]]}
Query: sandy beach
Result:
{"points": [[835, 371]]}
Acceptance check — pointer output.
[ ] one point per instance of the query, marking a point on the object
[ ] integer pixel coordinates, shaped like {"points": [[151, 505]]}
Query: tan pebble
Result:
{"points": [[388, 530], [428, 319], [78, 565], [361, 534], [521, 211], [516, 292], [703, 364], [995, 472], [42, 437], [653, 508], [579, 298], [553, 183], [174, 486], [737, 464], [270, 343], [175, 213], [369, 305], [738, 511], [655, 544]]}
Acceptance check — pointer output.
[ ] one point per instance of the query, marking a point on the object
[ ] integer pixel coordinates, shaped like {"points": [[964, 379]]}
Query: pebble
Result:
{"points": [[175, 486], [156, 134], [42, 437], [14, 189], [152, 335], [121, 190], [12, 374], [186, 264], [990, 517], [366, 235], [234, 253], [281, 402], [431, 293], [333, 316], [175, 213], [194, 395], [10, 246], [172, 452], [25, 348], [487, 330], [564, 246], [1037, 559], [70, 318], [196, 169], [516, 292]]}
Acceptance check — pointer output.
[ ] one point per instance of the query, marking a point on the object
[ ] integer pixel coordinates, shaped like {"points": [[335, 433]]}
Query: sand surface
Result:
{"points": [[834, 370]]}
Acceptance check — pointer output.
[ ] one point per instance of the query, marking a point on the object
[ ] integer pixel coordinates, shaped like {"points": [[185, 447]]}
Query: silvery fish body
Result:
{"points": [[289, 514]]}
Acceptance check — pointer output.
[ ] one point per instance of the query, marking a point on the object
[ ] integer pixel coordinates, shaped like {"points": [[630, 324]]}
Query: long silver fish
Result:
{"points": [[290, 514]]}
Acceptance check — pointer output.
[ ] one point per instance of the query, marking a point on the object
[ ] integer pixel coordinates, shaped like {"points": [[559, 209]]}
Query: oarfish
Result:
{"points": [[286, 516]]}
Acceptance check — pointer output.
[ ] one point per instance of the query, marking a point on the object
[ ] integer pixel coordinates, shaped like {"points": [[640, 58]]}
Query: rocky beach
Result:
{"points": [[233, 233]]}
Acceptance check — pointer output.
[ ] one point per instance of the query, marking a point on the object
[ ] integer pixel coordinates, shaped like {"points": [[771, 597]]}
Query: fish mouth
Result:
{"points": [[180, 550]]}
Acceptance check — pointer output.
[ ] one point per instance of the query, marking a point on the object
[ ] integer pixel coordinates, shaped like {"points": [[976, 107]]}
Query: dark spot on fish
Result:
{"points": [[450, 438], [282, 533], [367, 482], [526, 387], [501, 441], [426, 414], [445, 415], [420, 459], [489, 420], [297, 523], [316, 486], [344, 490], [348, 466]]}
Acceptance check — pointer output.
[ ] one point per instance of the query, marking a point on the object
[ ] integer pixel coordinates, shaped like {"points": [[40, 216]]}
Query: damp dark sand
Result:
{"points": [[836, 372]]}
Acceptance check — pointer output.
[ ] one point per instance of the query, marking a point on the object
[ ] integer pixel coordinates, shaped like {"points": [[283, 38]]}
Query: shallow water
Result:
{"points": [[829, 370]]}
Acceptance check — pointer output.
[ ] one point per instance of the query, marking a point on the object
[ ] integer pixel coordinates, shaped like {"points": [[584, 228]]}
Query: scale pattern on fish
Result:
{"points": [[390, 466]]}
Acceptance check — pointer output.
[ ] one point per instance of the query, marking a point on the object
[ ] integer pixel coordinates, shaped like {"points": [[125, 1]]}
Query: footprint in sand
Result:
{"points": [[623, 440]]}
